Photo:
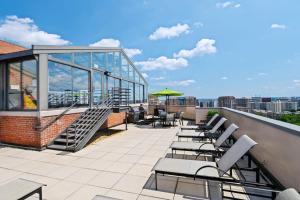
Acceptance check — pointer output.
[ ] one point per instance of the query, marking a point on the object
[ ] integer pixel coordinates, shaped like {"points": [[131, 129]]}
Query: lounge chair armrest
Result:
{"points": [[219, 170]]}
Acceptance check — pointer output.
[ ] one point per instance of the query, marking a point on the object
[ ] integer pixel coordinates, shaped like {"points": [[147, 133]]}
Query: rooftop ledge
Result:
{"points": [[279, 124]]}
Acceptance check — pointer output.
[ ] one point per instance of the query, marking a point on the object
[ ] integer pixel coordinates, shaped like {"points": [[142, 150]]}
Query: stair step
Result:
{"points": [[58, 147], [64, 140]]}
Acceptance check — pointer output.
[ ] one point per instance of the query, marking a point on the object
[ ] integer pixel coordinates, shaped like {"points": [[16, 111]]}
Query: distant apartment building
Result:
{"points": [[226, 101], [207, 103], [182, 101]]}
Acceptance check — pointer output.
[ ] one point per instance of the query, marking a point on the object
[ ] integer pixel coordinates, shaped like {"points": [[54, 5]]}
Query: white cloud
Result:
{"points": [[178, 83], [25, 32], [198, 24], [106, 42], [262, 74], [162, 62], [170, 32], [145, 75], [228, 4], [296, 82], [224, 78], [203, 46], [132, 52], [158, 78], [110, 42], [249, 79], [278, 26]]}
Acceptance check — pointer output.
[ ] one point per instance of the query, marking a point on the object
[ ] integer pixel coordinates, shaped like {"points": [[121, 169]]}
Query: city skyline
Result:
{"points": [[216, 48]]}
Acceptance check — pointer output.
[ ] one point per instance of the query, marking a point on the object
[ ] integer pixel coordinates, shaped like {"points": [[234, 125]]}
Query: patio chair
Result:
{"points": [[288, 194], [201, 135], [207, 126], [212, 171], [20, 189], [205, 147], [170, 119]]}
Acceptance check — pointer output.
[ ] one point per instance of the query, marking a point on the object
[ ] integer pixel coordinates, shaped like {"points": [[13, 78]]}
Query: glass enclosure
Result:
{"points": [[74, 76]]}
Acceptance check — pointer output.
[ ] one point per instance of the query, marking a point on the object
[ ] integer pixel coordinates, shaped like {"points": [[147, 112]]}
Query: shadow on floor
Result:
{"points": [[104, 133], [184, 187]]}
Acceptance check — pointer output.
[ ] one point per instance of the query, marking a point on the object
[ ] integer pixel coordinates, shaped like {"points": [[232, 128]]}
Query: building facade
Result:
{"points": [[37, 84], [226, 101]]}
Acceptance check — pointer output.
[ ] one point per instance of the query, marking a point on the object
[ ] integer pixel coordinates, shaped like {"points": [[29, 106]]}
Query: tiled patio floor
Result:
{"points": [[118, 166]]}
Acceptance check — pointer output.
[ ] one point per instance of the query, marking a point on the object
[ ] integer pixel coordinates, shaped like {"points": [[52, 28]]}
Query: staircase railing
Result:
{"points": [[106, 103]]}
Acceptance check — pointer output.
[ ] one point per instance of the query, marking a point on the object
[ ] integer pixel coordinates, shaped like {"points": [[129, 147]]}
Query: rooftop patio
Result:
{"points": [[117, 166]]}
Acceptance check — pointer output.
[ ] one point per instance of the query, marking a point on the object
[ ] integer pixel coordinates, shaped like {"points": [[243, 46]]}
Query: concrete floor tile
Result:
{"points": [[130, 183], [82, 176], [140, 170], [87, 193], [120, 167], [61, 190], [121, 195], [105, 179], [129, 158]]}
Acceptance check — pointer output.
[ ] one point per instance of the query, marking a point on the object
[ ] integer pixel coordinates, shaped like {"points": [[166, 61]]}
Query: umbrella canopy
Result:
{"points": [[167, 92]]}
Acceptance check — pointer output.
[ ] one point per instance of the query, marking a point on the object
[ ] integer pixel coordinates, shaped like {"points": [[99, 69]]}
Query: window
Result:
{"points": [[14, 86], [117, 64], [141, 93], [97, 87], [110, 61], [68, 57], [80, 86], [83, 59], [131, 90], [22, 85], [67, 85], [124, 68], [99, 60], [137, 93], [131, 73], [29, 84]]}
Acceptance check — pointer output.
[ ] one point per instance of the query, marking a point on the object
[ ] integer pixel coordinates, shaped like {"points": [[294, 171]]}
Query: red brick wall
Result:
{"points": [[55, 129], [19, 130], [114, 119]]}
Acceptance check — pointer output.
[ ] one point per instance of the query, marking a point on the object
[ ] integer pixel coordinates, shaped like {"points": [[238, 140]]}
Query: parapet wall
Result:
{"points": [[278, 146]]}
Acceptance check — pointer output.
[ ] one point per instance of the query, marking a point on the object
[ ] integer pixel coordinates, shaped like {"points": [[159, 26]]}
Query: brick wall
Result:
{"points": [[20, 130], [55, 129], [114, 119]]}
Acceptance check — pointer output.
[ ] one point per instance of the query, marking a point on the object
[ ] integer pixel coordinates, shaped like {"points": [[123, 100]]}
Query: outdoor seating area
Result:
{"points": [[200, 161]]}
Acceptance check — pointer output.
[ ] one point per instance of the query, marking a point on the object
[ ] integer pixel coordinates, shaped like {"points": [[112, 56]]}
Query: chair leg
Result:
{"points": [[155, 181]]}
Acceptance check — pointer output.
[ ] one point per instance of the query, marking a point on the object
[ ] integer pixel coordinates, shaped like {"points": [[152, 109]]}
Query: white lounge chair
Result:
{"points": [[206, 134], [201, 147], [206, 170], [207, 126]]}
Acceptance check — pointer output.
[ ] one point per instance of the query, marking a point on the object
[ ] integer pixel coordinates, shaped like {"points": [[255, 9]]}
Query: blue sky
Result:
{"points": [[204, 48]]}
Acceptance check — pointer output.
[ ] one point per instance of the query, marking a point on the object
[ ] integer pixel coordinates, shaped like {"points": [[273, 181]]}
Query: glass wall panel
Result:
{"points": [[83, 59], [110, 61], [136, 77], [97, 87], [60, 85], [117, 64], [29, 84], [131, 90], [99, 60], [124, 68], [137, 93], [80, 86], [142, 93], [68, 57], [14, 86], [131, 73]]}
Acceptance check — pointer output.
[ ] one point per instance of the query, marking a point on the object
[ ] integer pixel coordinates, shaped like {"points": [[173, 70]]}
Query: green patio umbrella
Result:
{"points": [[167, 93]]}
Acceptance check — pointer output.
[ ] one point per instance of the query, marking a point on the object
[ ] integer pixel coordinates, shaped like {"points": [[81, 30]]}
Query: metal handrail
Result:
{"points": [[60, 115]]}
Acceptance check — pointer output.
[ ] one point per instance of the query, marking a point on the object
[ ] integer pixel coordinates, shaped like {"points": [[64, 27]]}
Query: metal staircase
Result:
{"points": [[77, 135]]}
